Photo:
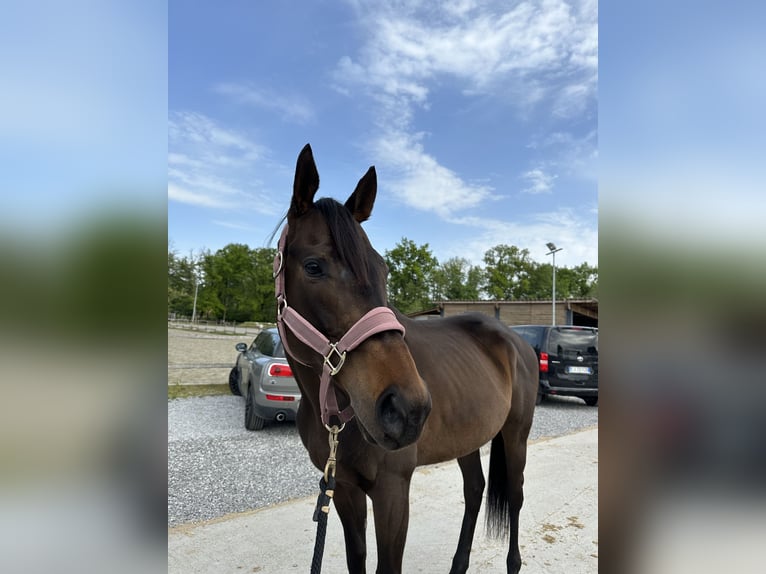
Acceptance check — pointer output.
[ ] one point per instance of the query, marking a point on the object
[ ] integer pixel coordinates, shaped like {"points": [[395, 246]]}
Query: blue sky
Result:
{"points": [[480, 117]]}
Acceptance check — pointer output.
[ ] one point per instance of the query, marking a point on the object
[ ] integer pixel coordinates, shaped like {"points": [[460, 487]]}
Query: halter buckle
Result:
{"points": [[335, 369]]}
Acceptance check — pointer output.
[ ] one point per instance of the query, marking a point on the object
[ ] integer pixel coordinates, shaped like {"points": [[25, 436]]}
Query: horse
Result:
{"points": [[410, 392]]}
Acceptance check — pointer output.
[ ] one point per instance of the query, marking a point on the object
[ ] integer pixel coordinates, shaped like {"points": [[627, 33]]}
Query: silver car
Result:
{"points": [[264, 378]]}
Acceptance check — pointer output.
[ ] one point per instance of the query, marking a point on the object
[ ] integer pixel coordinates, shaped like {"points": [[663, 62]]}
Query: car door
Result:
{"points": [[263, 348], [248, 363]]}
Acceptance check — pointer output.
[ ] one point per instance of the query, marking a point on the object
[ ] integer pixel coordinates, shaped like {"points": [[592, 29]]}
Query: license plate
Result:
{"points": [[579, 370]]}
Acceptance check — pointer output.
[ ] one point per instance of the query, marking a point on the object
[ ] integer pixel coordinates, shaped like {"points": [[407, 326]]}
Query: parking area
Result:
{"points": [[242, 501], [558, 534]]}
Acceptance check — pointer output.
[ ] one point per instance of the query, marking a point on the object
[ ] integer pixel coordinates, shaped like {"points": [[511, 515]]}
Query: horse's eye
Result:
{"points": [[312, 268]]}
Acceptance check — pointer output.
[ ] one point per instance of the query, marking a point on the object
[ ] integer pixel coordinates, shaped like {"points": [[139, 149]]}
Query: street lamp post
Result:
{"points": [[552, 251], [194, 308], [197, 278]]}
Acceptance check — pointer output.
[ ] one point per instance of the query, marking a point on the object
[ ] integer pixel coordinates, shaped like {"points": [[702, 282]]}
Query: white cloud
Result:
{"points": [[570, 154], [422, 182], [572, 99], [182, 160], [576, 233], [539, 181], [528, 54], [232, 225], [198, 179], [485, 47], [182, 195], [291, 107], [195, 129], [212, 166]]}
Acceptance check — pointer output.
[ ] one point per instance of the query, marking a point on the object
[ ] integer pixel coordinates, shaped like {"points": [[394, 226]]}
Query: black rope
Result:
{"points": [[322, 510]]}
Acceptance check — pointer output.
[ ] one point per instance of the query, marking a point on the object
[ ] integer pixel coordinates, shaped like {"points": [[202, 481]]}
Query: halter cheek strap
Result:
{"points": [[377, 320]]}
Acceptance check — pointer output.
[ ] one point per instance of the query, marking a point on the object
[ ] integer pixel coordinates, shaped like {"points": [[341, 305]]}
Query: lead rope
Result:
{"points": [[327, 491]]}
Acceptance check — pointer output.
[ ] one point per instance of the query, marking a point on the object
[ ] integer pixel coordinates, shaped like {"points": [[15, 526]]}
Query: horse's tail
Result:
{"points": [[498, 494]]}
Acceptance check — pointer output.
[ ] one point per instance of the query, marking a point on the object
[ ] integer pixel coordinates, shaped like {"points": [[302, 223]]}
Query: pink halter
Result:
{"points": [[374, 321]]}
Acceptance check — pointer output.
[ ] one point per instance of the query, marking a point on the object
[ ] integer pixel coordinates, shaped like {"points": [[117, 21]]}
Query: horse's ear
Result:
{"points": [[306, 182], [361, 201]]}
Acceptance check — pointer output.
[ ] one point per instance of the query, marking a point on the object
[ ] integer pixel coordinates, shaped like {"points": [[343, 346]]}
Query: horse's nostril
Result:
{"points": [[400, 419], [391, 412]]}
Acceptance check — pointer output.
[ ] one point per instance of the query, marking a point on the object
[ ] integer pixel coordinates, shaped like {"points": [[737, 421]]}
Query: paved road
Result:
{"points": [[216, 467]]}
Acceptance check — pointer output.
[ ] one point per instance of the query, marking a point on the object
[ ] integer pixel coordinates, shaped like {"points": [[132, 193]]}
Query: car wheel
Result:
{"points": [[591, 401], [540, 398], [234, 382], [252, 420]]}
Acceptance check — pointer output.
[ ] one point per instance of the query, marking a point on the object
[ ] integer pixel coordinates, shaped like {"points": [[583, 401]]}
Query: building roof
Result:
{"points": [[587, 307]]}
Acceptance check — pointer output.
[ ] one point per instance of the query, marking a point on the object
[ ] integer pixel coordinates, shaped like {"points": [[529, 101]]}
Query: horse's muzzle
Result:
{"points": [[401, 419]]}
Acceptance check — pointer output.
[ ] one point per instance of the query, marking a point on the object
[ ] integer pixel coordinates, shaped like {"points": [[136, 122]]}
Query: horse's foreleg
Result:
{"points": [[351, 504], [391, 507], [473, 489]]}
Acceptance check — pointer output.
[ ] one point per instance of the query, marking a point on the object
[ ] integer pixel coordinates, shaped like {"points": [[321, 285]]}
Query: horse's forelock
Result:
{"points": [[347, 239]]}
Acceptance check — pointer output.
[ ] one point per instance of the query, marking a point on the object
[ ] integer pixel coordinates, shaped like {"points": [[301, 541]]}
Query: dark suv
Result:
{"points": [[568, 358]]}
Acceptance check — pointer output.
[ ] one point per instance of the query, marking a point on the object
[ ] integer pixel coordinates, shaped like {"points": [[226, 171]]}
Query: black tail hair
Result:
{"points": [[498, 497]]}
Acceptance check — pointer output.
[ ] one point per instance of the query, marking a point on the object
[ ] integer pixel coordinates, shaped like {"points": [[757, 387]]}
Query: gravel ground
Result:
{"points": [[216, 467]]}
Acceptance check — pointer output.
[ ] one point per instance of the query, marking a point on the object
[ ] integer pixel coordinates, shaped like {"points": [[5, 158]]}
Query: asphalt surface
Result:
{"points": [[216, 467]]}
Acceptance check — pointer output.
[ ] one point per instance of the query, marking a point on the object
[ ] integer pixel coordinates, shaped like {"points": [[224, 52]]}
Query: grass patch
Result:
{"points": [[183, 391]]}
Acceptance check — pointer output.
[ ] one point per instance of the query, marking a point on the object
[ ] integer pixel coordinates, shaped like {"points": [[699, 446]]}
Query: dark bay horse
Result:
{"points": [[421, 392]]}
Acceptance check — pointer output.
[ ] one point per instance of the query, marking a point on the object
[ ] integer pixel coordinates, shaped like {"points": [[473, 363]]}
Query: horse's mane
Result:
{"points": [[351, 245]]}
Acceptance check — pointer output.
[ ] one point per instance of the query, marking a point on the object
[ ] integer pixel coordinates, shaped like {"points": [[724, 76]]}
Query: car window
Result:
{"points": [[264, 344], [254, 344], [279, 350], [571, 342], [531, 335]]}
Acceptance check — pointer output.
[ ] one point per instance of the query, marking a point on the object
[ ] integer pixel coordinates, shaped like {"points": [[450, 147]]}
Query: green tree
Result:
{"points": [[181, 284], [412, 276], [580, 281], [458, 280], [238, 283], [540, 282], [508, 273], [264, 303]]}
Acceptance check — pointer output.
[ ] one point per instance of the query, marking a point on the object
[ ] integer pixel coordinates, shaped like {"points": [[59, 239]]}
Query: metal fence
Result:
{"points": [[202, 352], [220, 327]]}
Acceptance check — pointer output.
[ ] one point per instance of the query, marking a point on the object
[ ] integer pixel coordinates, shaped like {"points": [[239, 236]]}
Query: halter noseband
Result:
{"points": [[376, 320]]}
